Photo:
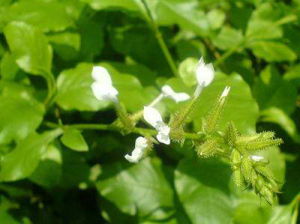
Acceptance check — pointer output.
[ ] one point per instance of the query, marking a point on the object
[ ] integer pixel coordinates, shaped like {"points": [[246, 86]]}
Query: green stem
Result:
{"points": [[51, 85], [227, 54], [109, 127], [160, 40]]}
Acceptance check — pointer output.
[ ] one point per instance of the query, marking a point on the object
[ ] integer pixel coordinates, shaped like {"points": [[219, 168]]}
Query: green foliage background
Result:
{"points": [[47, 51]]}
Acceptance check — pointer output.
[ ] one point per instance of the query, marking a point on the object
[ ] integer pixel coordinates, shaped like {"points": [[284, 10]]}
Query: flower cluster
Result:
{"points": [[248, 168]]}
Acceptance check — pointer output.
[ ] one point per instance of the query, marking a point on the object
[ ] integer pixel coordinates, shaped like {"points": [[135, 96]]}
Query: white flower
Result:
{"points": [[205, 73], [153, 117], [256, 158], [102, 86], [177, 97], [138, 151]]}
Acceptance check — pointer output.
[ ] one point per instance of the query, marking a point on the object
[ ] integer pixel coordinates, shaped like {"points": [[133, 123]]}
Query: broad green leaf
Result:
{"points": [[190, 48], [270, 90], [291, 36], [20, 113], [8, 67], [240, 108], [228, 38], [293, 75], [139, 189], [282, 215], [279, 117], [24, 159], [66, 44], [6, 218], [184, 13], [74, 89], [250, 210], [203, 190], [216, 18], [261, 30], [45, 15], [134, 5], [240, 14], [30, 48], [48, 172], [73, 139], [272, 51], [266, 20]]}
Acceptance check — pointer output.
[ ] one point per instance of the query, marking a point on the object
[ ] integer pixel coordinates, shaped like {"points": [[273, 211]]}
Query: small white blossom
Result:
{"points": [[205, 73], [153, 117], [138, 151], [256, 158], [170, 93], [102, 86]]}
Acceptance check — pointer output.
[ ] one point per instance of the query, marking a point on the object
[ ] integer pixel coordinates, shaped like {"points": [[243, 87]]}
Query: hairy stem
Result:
{"points": [[109, 127]]}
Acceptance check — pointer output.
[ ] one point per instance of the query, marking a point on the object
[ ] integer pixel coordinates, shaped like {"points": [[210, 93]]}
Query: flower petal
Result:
{"points": [[102, 92], [139, 150], [163, 134], [152, 116], [177, 97], [205, 73], [101, 75], [256, 158]]}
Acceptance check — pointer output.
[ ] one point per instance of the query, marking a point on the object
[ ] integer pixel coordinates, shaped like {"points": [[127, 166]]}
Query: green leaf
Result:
{"points": [[216, 18], [250, 210], [6, 218], [8, 67], [66, 44], [73, 139], [48, 172], [266, 20], [39, 14], [184, 13], [74, 89], [272, 51], [133, 5], [293, 75], [24, 159], [30, 48], [240, 108], [20, 113], [270, 90], [228, 38], [139, 189], [279, 117], [190, 48], [203, 190]]}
